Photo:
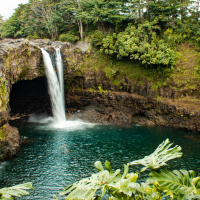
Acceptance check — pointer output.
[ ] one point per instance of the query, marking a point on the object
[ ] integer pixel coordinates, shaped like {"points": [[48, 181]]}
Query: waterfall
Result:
{"points": [[56, 86], [59, 66], [56, 91]]}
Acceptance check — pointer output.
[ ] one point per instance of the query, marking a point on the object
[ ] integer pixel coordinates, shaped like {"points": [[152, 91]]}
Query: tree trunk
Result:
{"points": [[197, 9], [80, 27], [80, 23]]}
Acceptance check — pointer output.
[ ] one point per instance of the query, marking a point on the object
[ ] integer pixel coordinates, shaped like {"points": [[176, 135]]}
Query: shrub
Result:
{"points": [[97, 38], [100, 88], [160, 184], [68, 37], [140, 43], [19, 34], [32, 37]]}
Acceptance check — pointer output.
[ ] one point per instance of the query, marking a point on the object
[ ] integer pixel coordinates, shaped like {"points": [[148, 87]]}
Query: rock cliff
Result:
{"points": [[124, 108], [21, 61]]}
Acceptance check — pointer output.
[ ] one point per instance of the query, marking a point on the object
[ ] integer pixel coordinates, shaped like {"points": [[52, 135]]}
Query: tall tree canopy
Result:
{"points": [[144, 30], [50, 18]]}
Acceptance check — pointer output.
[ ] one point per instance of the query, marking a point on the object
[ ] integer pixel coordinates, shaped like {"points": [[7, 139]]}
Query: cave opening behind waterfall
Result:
{"points": [[30, 97]]}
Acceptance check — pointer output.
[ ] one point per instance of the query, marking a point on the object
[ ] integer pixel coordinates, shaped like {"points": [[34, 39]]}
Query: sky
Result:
{"points": [[7, 7]]}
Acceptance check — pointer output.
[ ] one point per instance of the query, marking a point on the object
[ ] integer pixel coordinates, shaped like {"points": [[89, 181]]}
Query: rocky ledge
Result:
{"points": [[21, 59], [125, 108]]}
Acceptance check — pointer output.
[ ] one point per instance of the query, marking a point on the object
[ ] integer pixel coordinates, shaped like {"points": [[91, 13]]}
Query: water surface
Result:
{"points": [[54, 158]]}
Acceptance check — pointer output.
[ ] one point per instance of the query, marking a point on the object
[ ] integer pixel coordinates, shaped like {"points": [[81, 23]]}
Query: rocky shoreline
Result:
{"points": [[122, 108], [125, 108], [10, 145]]}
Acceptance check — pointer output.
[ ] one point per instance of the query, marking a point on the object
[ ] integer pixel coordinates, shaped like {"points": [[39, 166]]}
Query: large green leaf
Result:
{"points": [[15, 191], [106, 180], [86, 188], [120, 188], [180, 184], [160, 156], [145, 191]]}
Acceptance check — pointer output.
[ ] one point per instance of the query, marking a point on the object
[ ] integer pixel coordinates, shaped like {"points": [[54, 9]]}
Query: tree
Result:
{"points": [[46, 11], [1, 20], [1, 23], [12, 25], [100, 12]]}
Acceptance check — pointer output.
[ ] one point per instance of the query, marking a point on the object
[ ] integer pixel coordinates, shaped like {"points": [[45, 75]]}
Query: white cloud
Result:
{"points": [[7, 7]]}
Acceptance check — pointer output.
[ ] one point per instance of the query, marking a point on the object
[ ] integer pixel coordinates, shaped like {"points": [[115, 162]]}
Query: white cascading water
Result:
{"points": [[59, 66], [56, 89]]}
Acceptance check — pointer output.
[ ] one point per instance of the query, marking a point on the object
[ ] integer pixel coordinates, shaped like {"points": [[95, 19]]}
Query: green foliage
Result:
{"points": [[50, 18], [3, 93], [10, 27], [183, 31], [68, 37], [2, 133], [178, 184], [35, 36], [104, 180], [197, 69], [15, 191], [161, 183], [97, 38], [100, 11], [100, 88], [159, 157], [1, 23], [140, 43], [145, 31]]}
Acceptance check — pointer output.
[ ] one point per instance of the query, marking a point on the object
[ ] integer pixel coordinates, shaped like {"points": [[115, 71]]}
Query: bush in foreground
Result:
{"points": [[161, 183]]}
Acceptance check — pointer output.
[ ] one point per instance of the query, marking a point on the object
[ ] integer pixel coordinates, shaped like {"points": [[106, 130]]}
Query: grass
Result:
{"points": [[118, 70], [185, 75]]}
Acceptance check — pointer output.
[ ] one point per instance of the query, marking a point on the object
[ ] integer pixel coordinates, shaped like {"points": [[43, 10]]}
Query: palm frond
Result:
{"points": [[159, 157], [15, 191]]}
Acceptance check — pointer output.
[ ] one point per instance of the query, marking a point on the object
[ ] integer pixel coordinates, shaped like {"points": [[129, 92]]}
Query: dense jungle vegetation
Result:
{"points": [[145, 31]]}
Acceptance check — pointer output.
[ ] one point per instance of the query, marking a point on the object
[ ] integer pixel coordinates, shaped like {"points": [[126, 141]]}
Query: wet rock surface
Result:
{"points": [[10, 145], [125, 109]]}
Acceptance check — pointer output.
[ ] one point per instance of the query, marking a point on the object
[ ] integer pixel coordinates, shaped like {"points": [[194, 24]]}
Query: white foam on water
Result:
{"points": [[136, 125], [47, 123], [3, 168]]}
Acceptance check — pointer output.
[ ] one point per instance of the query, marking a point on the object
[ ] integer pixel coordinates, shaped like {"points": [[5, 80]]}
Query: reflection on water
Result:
{"points": [[55, 158], [195, 137]]}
